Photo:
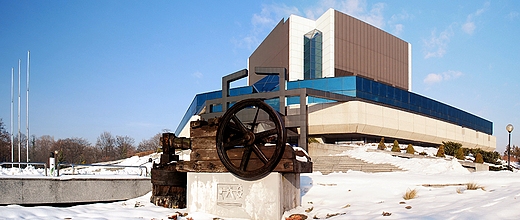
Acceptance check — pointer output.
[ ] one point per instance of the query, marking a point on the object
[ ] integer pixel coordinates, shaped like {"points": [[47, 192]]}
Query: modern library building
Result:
{"points": [[339, 79]]}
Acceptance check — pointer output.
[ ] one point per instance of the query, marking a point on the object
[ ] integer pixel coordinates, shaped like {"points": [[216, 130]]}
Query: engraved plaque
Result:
{"points": [[230, 195]]}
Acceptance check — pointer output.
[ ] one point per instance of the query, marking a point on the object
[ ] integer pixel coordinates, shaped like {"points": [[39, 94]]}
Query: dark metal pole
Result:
{"points": [[509, 153]]}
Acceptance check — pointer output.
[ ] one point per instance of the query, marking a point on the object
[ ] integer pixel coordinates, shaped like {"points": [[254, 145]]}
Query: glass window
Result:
{"points": [[275, 103], [312, 99], [293, 85], [335, 84], [312, 55], [216, 108], [293, 100], [306, 84], [348, 83], [240, 91], [321, 84]]}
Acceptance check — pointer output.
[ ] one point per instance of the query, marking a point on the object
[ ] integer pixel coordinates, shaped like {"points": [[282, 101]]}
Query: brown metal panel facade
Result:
{"points": [[272, 52], [364, 50]]}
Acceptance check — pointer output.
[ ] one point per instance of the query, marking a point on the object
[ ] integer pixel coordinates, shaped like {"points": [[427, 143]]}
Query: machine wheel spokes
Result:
{"points": [[251, 139]]}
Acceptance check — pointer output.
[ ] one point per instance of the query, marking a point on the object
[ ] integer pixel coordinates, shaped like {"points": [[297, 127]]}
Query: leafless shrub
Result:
{"points": [[473, 186], [410, 194]]}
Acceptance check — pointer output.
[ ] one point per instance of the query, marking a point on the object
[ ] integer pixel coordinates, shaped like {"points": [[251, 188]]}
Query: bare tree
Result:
{"points": [[42, 148], [151, 144], [515, 152], [124, 147], [106, 143], [72, 150], [5, 143], [19, 139]]}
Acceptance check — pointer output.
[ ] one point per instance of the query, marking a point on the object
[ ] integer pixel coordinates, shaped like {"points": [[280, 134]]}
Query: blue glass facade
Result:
{"points": [[381, 93], [267, 84], [361, 88], [312, 55], [199, 102]]}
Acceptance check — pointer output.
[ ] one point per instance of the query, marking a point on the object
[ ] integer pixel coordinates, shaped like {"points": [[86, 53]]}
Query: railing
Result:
{"points": [[140, 167], [101, 165], [27, 164]]}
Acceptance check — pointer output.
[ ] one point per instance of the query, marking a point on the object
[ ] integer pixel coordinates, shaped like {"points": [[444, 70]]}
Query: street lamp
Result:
{"points": [[509, 129]]}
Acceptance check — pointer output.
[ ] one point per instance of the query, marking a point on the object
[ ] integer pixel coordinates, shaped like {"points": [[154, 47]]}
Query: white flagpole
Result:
{"points": [[27, 108], [19, 132], [12, 114]]}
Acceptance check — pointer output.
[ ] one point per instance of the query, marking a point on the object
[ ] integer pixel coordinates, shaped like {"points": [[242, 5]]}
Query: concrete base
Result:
{"points": [[481, 167], [225, 195], [76, 190], [474, 167]]}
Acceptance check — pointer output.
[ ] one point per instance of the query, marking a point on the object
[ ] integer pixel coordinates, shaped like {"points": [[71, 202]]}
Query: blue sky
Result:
{"points": [[133, 67]]}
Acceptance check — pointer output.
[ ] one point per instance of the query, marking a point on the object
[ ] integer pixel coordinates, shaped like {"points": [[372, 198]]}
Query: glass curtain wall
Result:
{"points": [[312, 57]]}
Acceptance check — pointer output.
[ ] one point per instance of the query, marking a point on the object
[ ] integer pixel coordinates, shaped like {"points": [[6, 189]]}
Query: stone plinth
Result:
{"points": [[225, 195]]}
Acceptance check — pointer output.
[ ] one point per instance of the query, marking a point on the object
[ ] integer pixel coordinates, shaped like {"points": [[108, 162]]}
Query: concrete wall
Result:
{"points": [[77, 190], [370, 119]]}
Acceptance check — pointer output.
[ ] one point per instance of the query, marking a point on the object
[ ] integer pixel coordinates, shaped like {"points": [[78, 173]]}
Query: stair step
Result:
{"points": [[344, 163]]}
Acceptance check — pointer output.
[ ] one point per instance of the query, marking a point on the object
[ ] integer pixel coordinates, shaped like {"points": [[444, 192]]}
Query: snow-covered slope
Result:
{"points": [[441, 187]]}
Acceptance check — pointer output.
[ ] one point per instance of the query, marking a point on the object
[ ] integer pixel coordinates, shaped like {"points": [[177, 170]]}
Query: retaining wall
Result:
{"points": [[70, 190]]}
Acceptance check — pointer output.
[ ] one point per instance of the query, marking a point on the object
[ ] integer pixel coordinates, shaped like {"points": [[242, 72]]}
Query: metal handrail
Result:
{"points": [[100, 165], [22, 163]]}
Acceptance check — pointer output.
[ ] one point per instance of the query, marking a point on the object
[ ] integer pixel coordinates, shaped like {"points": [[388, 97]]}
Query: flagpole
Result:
{"points": [[19, 132], [12, 114], [27, 108]]}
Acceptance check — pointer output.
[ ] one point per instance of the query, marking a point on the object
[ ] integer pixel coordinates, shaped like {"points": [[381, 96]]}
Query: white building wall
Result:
{"points": [[370, 119], [298, 27], [409, 67], [325, 24], [185, 132]]}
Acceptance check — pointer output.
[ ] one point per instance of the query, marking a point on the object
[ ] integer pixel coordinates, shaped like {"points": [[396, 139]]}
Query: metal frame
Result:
{"points": [[99, 165], [291, 121]]}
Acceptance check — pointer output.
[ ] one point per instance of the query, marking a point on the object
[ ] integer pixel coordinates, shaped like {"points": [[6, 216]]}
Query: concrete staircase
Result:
{"points": [[329, 164], [323, 162]]}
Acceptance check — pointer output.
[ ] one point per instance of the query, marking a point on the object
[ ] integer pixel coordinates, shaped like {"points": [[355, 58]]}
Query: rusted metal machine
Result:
{"points": [[249, 141]]}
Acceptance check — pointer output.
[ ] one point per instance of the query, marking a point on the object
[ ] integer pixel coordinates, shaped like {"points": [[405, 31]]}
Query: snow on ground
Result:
{"points": [[29, 171], [413, 165], [440, 185]]}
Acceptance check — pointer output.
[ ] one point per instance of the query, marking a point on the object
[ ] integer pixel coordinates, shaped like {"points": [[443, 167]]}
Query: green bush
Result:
{"points": [[395, 147], [489, 157], [450, 148], [460, 154], [312, 140], [478, 158], [494, 168], [440, 151], [381, 145], [410, 149], [423, 153]]}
